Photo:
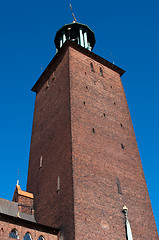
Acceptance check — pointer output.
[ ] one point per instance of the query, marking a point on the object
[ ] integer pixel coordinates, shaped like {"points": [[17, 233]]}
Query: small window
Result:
{"points": [[27, 236], [92, 68], [101, 71], [58, 184], [119, 187], [41, 161], [53, 76], [122, 146], [14, 234], [41, 238]]}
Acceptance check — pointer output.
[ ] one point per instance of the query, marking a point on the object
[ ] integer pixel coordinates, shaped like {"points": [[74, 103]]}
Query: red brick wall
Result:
{"points": [[83, 124], [6, 227], [51, 138], [25, 205], [102, 169]]}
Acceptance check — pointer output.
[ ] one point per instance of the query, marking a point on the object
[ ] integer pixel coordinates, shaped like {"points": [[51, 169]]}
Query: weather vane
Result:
{"points": [[73, 13]]}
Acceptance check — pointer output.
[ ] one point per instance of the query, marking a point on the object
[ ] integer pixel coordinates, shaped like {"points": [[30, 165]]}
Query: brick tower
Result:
{"points": [[84, 161]]}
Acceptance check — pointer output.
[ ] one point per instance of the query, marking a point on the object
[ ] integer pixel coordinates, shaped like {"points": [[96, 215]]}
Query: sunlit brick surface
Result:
{"points": [[6, 226], [83, 130]]}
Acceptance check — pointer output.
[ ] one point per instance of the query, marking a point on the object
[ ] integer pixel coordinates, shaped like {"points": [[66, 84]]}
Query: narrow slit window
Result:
{"points": [[101, 71], [119, 186], [122, 146], [41, 161], [53, 76], [47, 84], [92, 68], [58, 184]]}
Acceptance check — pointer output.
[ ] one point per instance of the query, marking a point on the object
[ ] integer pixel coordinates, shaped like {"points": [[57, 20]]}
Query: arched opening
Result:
{"points": [[41, 238], [14, 234], [27, 236]]}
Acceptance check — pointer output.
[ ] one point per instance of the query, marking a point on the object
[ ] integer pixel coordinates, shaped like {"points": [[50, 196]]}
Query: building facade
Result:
{"points": [[17, 219], [85, 171]]}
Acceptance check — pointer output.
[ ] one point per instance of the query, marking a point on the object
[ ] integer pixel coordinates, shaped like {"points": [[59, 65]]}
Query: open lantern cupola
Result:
{"points": [[76, 32]]}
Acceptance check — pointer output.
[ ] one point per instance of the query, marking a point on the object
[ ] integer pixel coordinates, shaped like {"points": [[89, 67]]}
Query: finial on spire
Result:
{"points": [[18, 178], [73, 13], [112, 57]]}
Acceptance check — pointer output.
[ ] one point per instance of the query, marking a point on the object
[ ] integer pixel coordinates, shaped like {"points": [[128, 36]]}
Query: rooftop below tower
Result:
{"points": [[76, 32]]}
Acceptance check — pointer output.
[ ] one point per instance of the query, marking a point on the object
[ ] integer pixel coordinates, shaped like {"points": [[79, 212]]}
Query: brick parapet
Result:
{"points": [[7, 224]]}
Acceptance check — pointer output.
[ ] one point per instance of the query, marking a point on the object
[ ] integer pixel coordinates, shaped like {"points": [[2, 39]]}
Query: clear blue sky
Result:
{"points": [[127, 29]]}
